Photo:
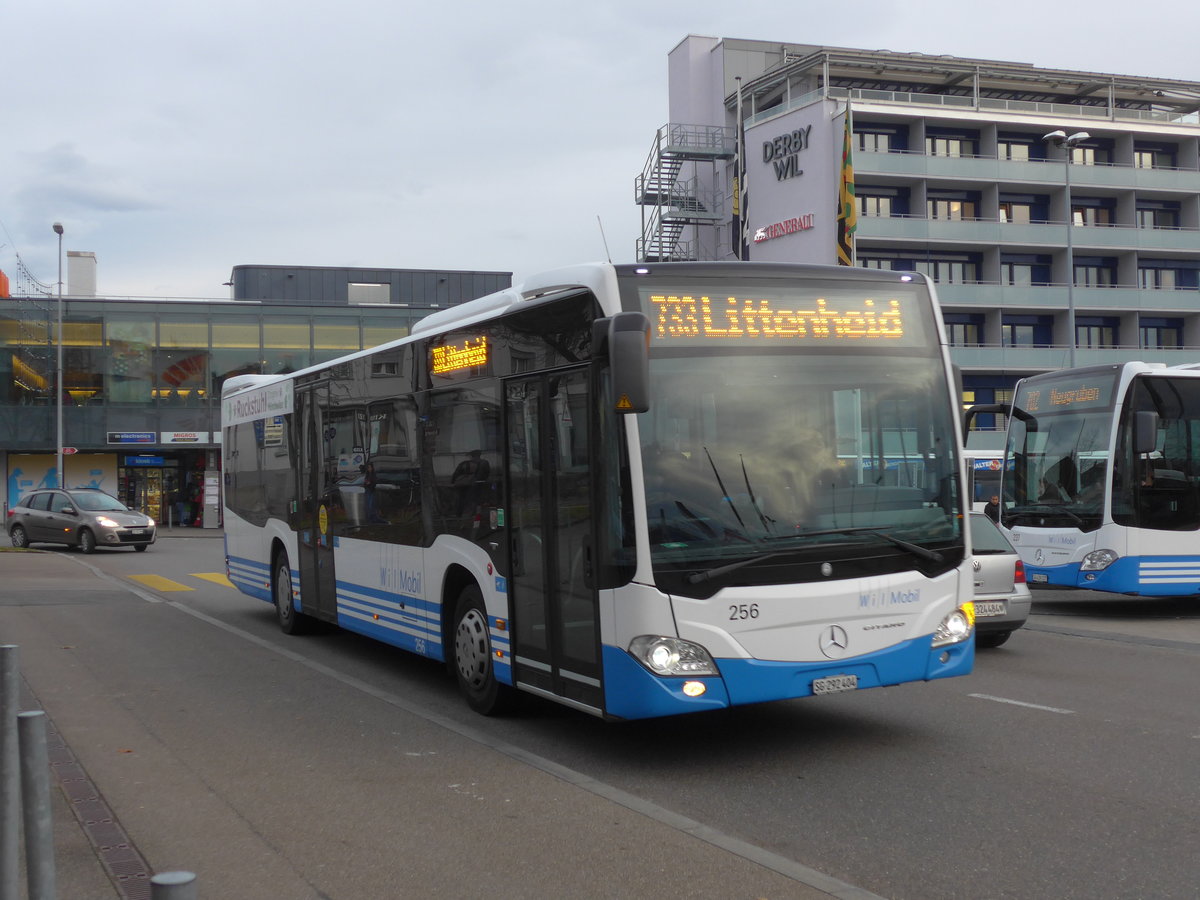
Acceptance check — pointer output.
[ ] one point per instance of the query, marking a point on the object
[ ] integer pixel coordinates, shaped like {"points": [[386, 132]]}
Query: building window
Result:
{"points": [[1015, 151], [870, 262], [1095, 275], [950, 146], [1016, 213], [1017, 274], [873, 141], [1160, 334], [1090, 156], [1089, 215], [1145, 157], [875, 206], [952, 210], [1157, 217], [359, 293], [949, 271], [1026, 331], [963, 329], [1157, 279], [1096, 333]]}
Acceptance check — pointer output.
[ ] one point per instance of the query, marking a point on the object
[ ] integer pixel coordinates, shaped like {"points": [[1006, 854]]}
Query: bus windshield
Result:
{"points": [[1057, 451], [803, 458]]}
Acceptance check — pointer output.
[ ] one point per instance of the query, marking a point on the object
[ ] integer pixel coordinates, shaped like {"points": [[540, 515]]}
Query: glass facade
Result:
{"points": [[158, 367]]}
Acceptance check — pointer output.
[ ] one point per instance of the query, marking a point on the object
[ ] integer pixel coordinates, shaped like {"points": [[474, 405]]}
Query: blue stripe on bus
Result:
{"points": [[251, 577], [633, 692], [1155, 576]]}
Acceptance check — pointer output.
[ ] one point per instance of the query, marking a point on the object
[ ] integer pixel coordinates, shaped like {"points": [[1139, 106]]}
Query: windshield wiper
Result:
{"points": [[718, 571], [1042, 509], [915, 549]]}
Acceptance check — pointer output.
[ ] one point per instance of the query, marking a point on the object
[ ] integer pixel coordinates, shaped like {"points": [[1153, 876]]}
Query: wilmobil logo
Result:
{"points": [[888, 599]]}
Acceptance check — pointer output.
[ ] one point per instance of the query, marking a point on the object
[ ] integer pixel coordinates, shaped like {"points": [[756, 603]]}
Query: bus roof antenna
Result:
{"points": [[603, 238]]}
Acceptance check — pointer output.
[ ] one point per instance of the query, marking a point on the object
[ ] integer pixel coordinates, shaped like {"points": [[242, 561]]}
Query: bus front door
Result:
{"points": [[314, 518], [555, 629]]}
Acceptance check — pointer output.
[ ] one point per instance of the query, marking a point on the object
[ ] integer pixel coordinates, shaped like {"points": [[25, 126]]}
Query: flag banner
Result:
{"points": [[847, 213], [739, 236]]}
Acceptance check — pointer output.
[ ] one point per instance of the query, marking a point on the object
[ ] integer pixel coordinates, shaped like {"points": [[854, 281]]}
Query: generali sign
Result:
{"points": [[787, 226]]}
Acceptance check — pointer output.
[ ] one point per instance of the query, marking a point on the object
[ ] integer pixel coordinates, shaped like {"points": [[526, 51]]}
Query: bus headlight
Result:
{"points": [[671, 656], [1097, 560], [956, 627]]}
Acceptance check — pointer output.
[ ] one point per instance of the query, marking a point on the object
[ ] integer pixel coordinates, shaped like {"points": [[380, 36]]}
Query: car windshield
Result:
{"points": [[99, 502]]}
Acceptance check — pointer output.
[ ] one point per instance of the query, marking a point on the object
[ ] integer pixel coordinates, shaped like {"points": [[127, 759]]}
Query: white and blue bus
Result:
{"points": [[625, 488], [1101, 478]]}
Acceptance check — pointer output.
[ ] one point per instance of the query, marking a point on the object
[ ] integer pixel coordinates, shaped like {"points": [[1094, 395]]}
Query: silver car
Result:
{"points": [[84, 518], [1001, 595]]}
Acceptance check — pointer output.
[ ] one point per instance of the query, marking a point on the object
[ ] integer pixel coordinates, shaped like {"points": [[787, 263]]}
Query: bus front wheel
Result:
{"points": [[473, 657], [291, 620]]}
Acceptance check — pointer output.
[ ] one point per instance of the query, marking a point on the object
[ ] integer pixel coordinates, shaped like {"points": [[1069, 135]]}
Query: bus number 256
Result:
{"points": [[743, 611]]}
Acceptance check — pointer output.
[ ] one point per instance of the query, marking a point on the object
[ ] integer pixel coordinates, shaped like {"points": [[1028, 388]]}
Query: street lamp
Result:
{"points": [[1060, 139], [62, 481]]}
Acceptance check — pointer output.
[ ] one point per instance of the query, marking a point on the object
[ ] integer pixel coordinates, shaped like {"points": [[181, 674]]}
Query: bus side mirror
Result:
{"points": [[629, 361], [1145, 431]]}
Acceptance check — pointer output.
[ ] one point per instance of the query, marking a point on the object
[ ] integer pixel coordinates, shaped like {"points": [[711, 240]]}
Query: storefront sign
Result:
{"points": [[131, 437], [143, 460], [184, 437]]}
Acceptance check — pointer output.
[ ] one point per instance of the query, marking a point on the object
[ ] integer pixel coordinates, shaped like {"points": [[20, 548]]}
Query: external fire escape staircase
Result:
{"points": [[672, 199]]}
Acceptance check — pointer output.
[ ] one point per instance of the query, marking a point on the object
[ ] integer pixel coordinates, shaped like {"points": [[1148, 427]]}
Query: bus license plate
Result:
{"points": [[835, 684], [989, 608], [1039, 577]]}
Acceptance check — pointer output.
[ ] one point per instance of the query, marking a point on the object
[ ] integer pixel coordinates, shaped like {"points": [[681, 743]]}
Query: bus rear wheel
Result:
{"points": [[473, 657]]}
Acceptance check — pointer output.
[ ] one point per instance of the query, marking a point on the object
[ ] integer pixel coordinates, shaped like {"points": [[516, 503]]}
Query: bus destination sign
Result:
{"points": [[448, 358], [697, 316], [1066, 394]]}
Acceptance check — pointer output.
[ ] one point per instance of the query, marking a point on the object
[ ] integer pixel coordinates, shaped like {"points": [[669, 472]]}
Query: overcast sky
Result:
{"points": [[179, 140]]}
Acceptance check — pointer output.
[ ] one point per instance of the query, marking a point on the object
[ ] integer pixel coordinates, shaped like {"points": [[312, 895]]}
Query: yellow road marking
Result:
{"points": [[158, 583], [214, 577]]}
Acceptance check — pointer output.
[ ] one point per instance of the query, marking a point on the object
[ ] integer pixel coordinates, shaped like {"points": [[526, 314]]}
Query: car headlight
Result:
{"points": [[149, 522], [956, 627], [671, 656], [1097, 560], [106, 522]]}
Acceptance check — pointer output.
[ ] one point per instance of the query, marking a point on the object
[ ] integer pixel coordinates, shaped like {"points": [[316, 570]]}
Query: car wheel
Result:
{"points": [[291, 620], [18, 537], [473, 657], [994, 639], [87, 541]]}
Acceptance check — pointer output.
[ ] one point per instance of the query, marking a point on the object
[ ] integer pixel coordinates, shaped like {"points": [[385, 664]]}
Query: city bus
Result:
{"points": [[1102, 469], [634, 490]]}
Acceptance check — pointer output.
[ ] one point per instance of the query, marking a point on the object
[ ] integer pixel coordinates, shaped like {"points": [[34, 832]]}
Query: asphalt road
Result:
{"points": [[330, 766]]}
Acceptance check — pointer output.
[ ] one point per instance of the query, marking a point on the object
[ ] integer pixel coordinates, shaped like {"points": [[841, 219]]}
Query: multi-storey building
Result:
{"points": [[967, 170], [142, 378]]}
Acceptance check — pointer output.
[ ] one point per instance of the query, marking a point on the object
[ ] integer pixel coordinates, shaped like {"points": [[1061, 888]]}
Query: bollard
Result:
{"points": [[10, 776], [173, 886], [35, 797]]}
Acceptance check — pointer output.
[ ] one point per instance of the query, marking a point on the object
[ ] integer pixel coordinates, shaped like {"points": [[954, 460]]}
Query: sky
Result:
{"points": [[176, 141]]}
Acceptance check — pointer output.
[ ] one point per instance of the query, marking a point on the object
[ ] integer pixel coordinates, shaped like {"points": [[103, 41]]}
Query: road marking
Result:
{"points": [[1053, 709], [158, 583], [214, 577]]}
